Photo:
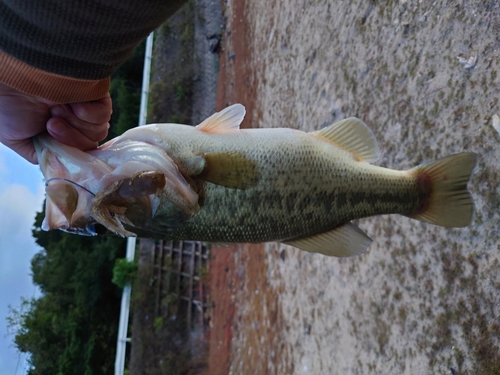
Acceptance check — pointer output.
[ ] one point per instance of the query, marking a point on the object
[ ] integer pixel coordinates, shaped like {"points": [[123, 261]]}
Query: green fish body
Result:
{"points": [[231, 185]]}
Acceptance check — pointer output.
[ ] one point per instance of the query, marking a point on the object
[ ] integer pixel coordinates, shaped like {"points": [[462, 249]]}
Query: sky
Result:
{"points": [[21, 196]]}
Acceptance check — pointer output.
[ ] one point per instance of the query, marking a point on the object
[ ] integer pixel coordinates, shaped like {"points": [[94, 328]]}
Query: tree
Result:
{"points": [[74, 324]]}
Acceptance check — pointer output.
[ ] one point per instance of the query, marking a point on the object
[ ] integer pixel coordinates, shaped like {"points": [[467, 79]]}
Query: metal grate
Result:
{"points": [[180, 269]]}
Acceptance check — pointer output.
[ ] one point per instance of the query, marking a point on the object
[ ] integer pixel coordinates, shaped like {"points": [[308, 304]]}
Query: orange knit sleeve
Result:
{"points": [[50, 86]]}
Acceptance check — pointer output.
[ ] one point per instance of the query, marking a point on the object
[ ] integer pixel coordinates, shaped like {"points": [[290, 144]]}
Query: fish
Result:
{"points": [[220, 184]]}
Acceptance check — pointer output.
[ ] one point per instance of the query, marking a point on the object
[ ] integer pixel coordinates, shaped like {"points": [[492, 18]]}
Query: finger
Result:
{"points": [[69, 135], [95, 112], [94, 132], [25, 148]]}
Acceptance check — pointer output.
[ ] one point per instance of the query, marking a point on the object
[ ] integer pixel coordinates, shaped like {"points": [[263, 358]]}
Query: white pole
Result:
{"points": [[145, 80], [121, 344]]}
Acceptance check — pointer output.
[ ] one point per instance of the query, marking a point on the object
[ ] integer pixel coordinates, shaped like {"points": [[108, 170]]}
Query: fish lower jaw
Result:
{"points": [[112, 218]]}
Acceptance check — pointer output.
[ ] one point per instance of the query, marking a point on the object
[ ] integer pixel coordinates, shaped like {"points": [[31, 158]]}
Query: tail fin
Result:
{"points": [[449, 203]]}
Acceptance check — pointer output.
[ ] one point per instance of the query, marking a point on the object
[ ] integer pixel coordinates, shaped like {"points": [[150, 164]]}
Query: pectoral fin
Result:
{"points": [[354, 136], [230, 169], [344, 241]]}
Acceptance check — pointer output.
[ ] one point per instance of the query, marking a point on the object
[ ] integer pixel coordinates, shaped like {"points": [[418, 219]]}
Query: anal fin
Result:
{"points": [[344, 241]]}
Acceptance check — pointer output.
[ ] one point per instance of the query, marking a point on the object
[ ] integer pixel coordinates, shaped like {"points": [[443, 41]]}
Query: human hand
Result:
{"points": [[22, 116]]}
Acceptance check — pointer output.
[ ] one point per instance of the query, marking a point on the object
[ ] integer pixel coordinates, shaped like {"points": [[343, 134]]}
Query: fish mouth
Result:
{"points": [[85, 194], [132, 201]]}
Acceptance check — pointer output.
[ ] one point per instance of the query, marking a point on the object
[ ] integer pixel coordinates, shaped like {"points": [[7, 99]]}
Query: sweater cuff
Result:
{"points": [[50, 86]]}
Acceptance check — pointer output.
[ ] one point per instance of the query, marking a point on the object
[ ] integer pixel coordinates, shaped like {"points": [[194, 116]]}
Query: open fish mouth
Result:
{"points": [[89, 191]]}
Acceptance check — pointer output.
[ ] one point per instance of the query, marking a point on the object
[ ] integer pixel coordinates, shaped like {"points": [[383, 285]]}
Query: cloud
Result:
{"points": [[21, 196], [18, 206], [16, 170]]}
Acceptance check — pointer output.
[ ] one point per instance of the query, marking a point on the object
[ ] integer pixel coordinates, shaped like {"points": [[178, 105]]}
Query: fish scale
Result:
{"points": [[294, 197], [217, 183]]}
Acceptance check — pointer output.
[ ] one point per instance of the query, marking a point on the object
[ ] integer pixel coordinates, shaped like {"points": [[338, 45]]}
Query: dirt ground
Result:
{"points": [[423, 299], [238, 271]]}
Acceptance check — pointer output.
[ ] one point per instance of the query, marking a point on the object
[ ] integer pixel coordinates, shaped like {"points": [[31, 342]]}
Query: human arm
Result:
{"points": [[61, 52]]}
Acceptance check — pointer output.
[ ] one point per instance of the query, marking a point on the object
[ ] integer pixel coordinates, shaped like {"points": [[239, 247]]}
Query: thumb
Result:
{"points": [[94, 112]]}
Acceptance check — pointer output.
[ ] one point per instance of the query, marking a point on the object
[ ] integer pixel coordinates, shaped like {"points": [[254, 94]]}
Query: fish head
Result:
{"points": [[90, 193]]}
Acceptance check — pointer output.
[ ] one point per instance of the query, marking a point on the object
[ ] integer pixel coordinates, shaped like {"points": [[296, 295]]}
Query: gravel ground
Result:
{"points": [[423, 299]]}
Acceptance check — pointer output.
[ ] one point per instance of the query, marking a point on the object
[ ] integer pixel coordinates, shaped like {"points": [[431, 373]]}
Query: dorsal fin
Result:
{"points": [[354, 136], [229, 119]]}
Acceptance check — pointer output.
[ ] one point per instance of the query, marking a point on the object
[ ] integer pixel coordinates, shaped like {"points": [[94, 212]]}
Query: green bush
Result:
{"points": [[124, 272]]}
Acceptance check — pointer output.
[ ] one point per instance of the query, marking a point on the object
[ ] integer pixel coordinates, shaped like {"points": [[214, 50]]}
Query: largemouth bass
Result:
{"points": [[221, 184]]}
